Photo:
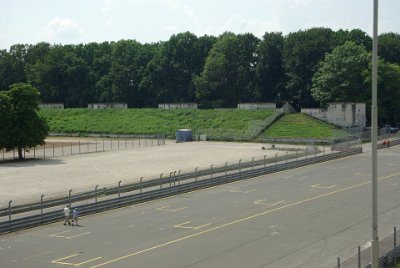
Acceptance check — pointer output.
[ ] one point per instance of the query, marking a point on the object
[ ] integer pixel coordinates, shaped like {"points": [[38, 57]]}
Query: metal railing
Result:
{"points": [[101, 199]]}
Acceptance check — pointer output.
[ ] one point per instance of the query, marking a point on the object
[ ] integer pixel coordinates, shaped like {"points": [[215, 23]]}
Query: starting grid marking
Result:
{"points": [[62, 262], [167, 208], [262, 202], [61, 235], [240, 191], [318, 186], [184, 225]]}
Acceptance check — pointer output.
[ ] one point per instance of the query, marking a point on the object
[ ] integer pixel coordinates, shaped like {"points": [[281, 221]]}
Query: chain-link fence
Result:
{"points": [[57, 148]]}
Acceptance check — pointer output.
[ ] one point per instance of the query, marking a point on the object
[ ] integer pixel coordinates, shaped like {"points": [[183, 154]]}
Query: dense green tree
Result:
{"points": [[269, 68], [388, 91], [7, 118], [229, 72], [28, 127], [302, 52], [340, 76], [389, 47]]}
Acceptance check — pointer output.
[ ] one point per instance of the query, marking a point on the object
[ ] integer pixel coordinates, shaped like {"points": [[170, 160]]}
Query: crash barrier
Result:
{"points": [[162, 187], [295, 153], [65, 148], [389, 250]]}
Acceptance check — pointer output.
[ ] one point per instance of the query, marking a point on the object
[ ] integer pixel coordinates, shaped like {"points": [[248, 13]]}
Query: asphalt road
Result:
{"points": [[306, 217]]}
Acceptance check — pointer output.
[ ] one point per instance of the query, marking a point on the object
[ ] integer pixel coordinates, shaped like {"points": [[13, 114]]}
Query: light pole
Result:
{"points": [[374, 132]]}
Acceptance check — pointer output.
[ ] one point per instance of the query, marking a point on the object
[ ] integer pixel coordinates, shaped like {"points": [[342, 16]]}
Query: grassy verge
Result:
{"points": [[152, 121]]}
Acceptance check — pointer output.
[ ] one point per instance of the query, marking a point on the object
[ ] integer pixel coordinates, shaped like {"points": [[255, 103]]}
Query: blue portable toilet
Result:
{"points": [[183, 135]]}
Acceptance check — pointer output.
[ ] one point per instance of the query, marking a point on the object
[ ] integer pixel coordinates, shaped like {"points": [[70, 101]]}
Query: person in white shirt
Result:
{"points": [[75, 214], [67, 214]]}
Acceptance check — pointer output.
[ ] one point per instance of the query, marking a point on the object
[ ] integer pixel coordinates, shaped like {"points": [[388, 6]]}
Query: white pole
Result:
{"points": [[374, 126]]}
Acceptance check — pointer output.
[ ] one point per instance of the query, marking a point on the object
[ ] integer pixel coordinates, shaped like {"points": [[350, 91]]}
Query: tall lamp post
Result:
{"points": [[374, 135]]}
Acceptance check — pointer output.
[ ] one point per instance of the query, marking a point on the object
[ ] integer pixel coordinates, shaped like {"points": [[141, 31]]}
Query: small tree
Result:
{"points": [[24, 126]]}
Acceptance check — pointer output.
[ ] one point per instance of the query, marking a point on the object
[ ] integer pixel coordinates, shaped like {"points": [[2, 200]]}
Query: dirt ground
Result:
{"points": [[28, 180]]}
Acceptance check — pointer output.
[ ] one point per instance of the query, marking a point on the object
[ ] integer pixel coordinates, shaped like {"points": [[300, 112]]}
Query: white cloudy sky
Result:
{"points": [[82, 21]]}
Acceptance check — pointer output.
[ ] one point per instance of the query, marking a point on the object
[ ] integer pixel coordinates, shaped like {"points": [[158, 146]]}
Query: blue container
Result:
{"points": [[183, 135]]}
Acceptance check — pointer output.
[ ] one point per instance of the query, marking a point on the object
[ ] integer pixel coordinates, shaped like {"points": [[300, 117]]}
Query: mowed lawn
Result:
{"points": [[151, 121], [300, 126]]}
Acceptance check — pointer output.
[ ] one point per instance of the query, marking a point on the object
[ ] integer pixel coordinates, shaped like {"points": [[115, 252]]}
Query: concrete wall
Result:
{"points": [[319, 113], [255, 106], [177, 106], [347, 114], [108, 105], [340, 114], [51, 105]]}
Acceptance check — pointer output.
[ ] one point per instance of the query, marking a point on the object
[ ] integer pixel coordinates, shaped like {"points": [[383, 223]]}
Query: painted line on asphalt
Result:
{"points": [[238, 221], [185, 225], [263, 202], [58, 235], [318, 186], [167, 208], [61, 261]]}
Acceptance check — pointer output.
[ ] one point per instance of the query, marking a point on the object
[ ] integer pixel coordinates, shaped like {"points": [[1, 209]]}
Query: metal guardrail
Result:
{"points": [[174, 176], [163, 187]]}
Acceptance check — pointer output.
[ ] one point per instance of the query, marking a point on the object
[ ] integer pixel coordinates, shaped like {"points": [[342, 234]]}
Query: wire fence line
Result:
{"points": [[65, 148], [389, 250]]}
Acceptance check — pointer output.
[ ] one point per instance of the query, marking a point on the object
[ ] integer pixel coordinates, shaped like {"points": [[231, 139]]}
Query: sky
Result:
{"points": [[148, 21]]}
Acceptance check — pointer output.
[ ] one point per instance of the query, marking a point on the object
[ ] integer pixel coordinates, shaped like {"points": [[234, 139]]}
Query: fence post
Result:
{"points": [[170, 177], [276, 158], [394, 247], [252, 163], [53, 149], [140, 184], [103, 145], [9, 210], [338, 262], [71, 148], [96, 145], [119, 188], [41, 204], [174, 177], [211, 169], [79, 147], [239, 165], [34, 152], [95, 193], [359, 257], [111, 144], [161, 181], [265, 156], [44, 151], [195, 171], [69, 197], [62, 149], [226, 168], [179, 177], [287, 156]]}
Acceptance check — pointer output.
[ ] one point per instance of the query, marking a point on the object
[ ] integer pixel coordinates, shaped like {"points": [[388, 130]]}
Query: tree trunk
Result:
{"points": [[20, 155]]}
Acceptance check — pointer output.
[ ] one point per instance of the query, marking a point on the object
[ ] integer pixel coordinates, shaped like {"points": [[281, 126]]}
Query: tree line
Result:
{"points": [[307, 68]]}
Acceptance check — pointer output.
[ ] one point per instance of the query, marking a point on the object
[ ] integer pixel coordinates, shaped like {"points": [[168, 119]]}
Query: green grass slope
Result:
{"points": [[152, 121], [300, 126]]}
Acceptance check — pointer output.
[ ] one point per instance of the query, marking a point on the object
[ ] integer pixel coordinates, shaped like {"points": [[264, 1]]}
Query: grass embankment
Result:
{"points": [[300, 126], [152, 121]]}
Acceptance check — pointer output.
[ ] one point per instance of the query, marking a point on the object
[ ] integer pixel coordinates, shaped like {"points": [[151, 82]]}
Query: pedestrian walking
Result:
{"points": [[67, 214], [75, 215]]}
